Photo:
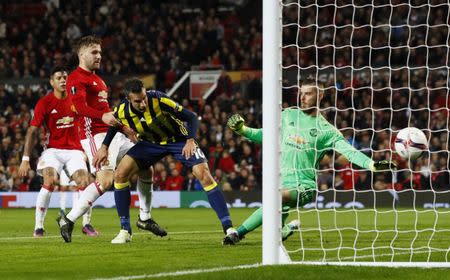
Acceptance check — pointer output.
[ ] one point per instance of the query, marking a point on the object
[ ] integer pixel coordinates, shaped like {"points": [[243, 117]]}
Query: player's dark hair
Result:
{"points": [[311, 80], [58, 69], [86, 41], [133, 85]]}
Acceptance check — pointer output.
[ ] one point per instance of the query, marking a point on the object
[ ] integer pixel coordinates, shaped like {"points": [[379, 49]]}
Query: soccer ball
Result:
{"points": [[411, 143]]}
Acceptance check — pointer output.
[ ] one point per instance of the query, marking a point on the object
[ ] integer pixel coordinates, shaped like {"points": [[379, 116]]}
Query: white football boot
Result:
{"points": [[123, 237]]}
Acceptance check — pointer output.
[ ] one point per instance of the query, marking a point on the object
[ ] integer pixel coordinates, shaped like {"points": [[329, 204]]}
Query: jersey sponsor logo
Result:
{"points": [[64, 122], [103, 96], [53, 111], [297, 139]]}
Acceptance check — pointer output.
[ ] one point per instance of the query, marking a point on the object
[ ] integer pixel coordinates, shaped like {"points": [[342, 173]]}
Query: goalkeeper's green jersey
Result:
{"points": [[305, 140]]}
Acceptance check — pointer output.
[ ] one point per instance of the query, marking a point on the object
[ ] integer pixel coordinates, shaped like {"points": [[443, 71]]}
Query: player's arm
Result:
{"points": [[78, 91], [189, 117], [102, 154], [236, 123], [181, 113], [36, 122], [357, 157], [29, 143]]}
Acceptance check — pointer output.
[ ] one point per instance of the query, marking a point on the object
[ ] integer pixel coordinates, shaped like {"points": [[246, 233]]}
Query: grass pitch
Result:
{"points": [[193, 249]]}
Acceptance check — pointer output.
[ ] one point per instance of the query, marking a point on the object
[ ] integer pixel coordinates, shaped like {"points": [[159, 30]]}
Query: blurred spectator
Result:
{"points": [[174, 182]]}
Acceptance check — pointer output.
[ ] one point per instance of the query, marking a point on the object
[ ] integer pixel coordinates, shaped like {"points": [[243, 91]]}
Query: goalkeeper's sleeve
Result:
{"points": [[352, 154], [252, 134]]}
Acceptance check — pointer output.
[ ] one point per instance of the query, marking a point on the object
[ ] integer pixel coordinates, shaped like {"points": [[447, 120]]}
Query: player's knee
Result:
{"points": [[81, 178], [201, 172], [120, 175], [286, 196], [50, 182], [105, 179]]}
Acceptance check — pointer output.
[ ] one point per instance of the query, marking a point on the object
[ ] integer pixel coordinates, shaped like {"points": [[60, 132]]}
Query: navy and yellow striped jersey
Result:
{"points": [[162, 121]]}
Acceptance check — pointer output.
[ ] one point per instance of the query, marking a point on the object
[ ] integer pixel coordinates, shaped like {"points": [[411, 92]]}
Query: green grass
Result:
{"points": [[194, 242]]}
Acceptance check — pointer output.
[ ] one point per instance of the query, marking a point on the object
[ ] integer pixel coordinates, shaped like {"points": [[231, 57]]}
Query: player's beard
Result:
{"points": [[309, 110], [95, 66]]}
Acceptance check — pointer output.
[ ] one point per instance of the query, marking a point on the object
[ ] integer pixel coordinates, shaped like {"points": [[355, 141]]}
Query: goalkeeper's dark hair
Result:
{"points": [[133, 85], [86, 41], [312, 81], [58, 69]]}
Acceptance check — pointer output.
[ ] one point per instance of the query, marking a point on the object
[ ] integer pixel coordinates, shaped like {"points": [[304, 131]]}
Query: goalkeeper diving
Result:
{"points": [[306, 137]]}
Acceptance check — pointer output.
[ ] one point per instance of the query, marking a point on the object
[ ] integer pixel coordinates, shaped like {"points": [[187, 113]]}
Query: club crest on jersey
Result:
{"points": [[313, 132]]}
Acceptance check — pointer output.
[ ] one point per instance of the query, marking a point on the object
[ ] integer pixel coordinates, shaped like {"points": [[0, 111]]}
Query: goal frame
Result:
{"points": [[273, 251]]}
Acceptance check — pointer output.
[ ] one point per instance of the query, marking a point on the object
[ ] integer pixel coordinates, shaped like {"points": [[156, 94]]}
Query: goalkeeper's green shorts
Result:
{"points": [[300, 195]]}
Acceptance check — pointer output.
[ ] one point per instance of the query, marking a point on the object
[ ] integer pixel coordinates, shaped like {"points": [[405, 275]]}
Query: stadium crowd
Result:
{"points": [[168, 39]]}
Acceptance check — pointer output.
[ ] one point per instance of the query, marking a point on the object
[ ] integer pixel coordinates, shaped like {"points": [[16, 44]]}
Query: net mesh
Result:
{"points": [[385, 66]]}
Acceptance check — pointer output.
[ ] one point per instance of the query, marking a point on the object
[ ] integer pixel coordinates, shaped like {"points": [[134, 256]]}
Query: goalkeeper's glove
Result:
{"points": [[236, 123], [383, 165]]}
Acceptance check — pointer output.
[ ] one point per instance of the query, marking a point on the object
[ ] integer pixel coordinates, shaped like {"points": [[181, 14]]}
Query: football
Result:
{"points": [[411, 143]]}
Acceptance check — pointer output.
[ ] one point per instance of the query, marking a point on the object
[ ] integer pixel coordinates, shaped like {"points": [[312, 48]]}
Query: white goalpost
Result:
{"points": [[385, 66]]}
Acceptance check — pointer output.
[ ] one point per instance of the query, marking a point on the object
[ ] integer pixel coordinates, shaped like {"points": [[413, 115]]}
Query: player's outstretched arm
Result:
{"points": [[29, 141], [360, 159], [237, 123]]}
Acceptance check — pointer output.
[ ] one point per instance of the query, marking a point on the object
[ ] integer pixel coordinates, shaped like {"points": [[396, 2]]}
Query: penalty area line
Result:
{"points": [[182, 272]]}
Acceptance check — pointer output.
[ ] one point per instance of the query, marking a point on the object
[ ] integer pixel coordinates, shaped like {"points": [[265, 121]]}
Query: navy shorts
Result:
{"points": [[146, 154]]}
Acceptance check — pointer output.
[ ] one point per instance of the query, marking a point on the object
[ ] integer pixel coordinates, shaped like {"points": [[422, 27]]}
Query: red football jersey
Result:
{"points": [[90, 97], [59, 118]]}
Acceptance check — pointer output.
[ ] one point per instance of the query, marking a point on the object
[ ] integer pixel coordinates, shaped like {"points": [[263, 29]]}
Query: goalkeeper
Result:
{"points": [[306, 137]]}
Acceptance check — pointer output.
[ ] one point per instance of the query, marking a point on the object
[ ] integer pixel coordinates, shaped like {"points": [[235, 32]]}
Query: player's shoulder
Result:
{"points": [[77, 76], [156, 94], [46, 99], [45, 102], [75, 73]]}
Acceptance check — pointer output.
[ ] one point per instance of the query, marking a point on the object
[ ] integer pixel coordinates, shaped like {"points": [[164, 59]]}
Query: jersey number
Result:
{"points": [[199, 154]]}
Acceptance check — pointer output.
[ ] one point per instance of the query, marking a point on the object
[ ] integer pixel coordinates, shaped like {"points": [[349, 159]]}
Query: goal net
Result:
{"points": [[385, 66]]}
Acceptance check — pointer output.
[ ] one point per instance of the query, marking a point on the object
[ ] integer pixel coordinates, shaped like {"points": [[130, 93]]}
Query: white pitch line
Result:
{"points": [[108, 234], [182, 272]]}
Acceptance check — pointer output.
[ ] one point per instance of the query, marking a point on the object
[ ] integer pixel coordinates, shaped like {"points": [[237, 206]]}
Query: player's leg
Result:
{"points": [[126, 168], [50, 176], [291, 197], [215, 197], [75, 165], [48, 166], [295, 198], [103, 178], [64, 182], [254, 221], [145, 189]]}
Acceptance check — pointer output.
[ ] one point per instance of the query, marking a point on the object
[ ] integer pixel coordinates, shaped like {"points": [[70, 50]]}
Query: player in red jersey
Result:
{"points": [[63, 153], [90, 97]]}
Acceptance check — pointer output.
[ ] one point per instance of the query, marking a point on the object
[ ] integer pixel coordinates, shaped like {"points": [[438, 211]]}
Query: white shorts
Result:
{"points": [[60, 159], [117, 149]]}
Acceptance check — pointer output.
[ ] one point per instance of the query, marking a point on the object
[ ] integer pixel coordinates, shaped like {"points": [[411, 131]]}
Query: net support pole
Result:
{"points": [[271, 239]]}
